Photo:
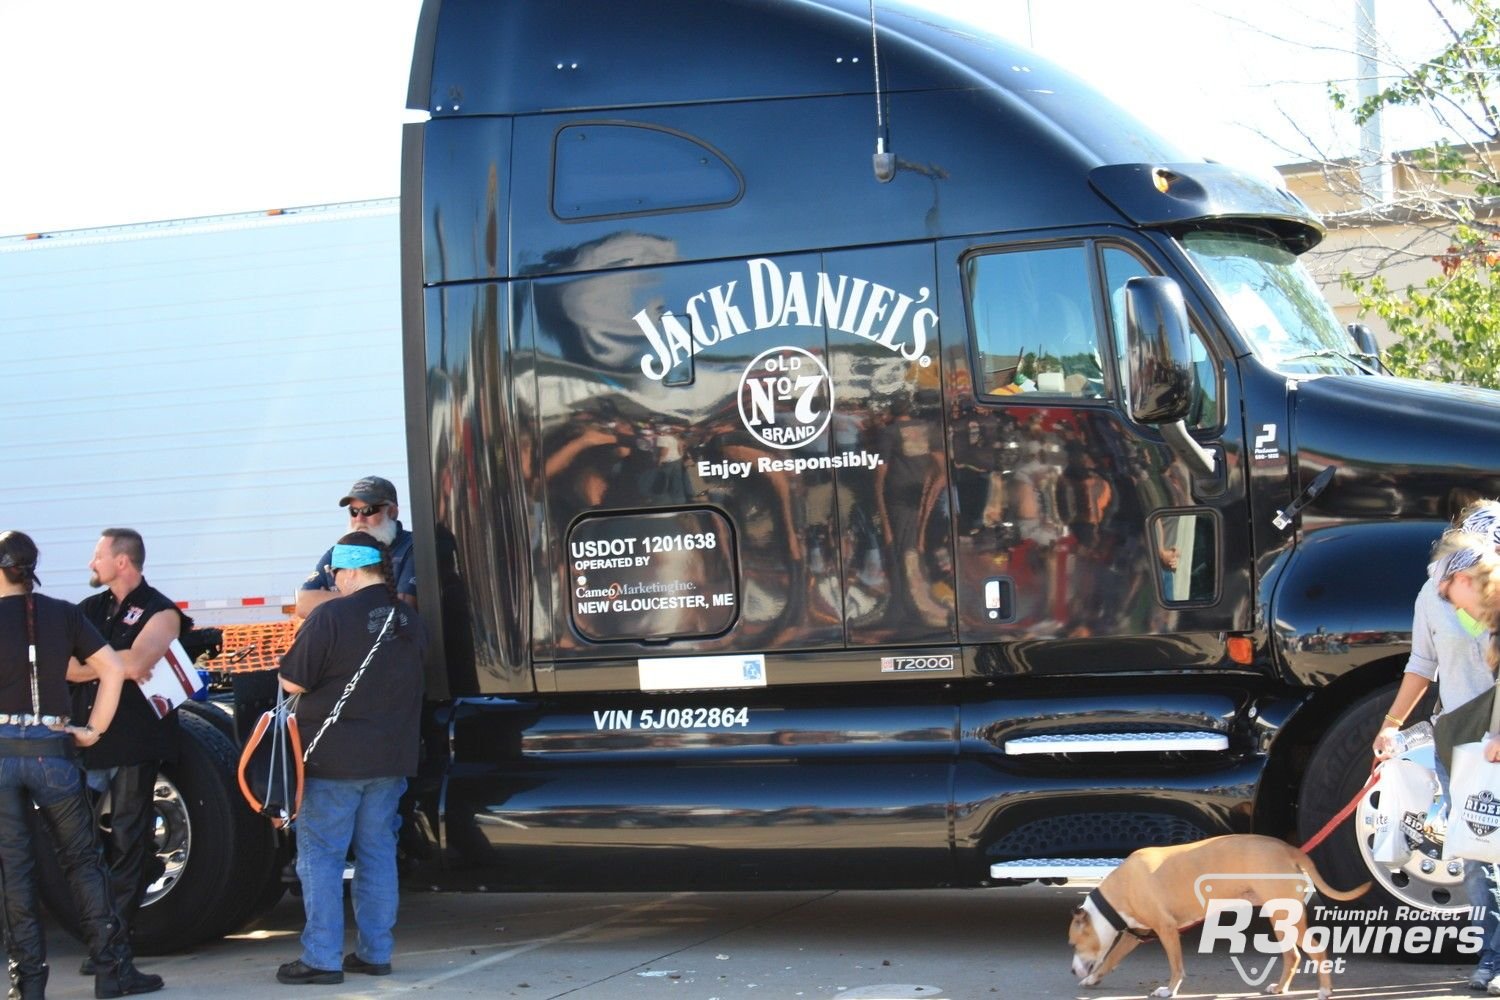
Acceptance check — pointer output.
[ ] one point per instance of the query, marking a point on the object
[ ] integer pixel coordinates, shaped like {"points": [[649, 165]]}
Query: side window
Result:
{"points": [[1187, 549], [602, 170], [1119, 267], [1035, 323]]}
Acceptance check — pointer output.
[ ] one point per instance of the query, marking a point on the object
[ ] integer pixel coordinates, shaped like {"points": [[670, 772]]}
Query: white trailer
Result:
{"points": [[215, 383]]}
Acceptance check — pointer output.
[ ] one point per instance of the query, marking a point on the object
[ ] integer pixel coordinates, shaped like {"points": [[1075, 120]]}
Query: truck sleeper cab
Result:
{"points": [[793, 527]]}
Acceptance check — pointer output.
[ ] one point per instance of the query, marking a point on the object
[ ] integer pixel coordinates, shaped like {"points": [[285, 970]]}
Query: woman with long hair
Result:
{"points": [[39, 767], [357, 666]]}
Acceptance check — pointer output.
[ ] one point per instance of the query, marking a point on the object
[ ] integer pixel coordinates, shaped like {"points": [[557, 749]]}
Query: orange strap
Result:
{"points": [[1343, 813]]}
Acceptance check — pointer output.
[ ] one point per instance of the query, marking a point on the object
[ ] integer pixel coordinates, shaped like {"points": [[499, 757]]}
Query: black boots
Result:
{"points": [[113, 979], [115, 974], [30, 985], [122, 979]]}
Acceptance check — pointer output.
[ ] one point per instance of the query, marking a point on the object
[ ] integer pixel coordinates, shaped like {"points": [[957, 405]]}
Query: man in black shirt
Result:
{"points": [[357, 663], [139, 621]]}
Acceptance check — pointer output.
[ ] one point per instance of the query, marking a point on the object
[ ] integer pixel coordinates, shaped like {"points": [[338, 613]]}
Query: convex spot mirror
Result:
{"points": [[1163, 380]]}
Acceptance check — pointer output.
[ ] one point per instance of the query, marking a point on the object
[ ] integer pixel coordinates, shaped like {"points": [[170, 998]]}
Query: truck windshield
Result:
{"points": [[1274, 303]]}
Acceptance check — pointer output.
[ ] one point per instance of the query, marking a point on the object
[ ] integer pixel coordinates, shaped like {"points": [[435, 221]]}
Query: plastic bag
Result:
{"points": [[1406, 791], [1474, 817]]}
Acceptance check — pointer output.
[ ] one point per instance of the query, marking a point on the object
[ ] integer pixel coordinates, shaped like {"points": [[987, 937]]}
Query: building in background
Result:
{"points": [[1407, 237]]}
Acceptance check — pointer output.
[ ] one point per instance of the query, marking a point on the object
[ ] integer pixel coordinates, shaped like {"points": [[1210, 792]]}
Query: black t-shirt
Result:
{"points": [[137, 735], [907, 446], [377, 732], [61, 632]]}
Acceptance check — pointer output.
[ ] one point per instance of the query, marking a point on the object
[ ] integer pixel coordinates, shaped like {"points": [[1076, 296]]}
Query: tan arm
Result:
{"points": [[150, 645], [309, 599], [79, 673], [1413, 687]]}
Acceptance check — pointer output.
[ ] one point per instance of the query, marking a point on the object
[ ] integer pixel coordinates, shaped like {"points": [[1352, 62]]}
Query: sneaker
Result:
{"points": [[1480, 979], [353, 963], [299, 973], [1493, 989]]}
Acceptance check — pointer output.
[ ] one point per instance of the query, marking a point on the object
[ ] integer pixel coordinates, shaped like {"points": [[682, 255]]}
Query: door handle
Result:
{"points": [[1284, 518]]}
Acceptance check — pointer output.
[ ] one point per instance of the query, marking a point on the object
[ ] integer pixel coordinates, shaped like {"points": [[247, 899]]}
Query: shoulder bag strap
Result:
{"points": [[36, 694], [338, 706]]}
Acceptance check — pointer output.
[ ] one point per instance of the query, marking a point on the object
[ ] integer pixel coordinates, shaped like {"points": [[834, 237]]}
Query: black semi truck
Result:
{"points": [[983, 508], [851, 452]]}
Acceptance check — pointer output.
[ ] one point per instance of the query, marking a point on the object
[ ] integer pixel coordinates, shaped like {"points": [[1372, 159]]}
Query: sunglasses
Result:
{"points": [[369, 511]]}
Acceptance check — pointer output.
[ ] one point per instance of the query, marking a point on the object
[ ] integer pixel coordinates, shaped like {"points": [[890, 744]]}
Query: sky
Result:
{"points": [[118, 113]]}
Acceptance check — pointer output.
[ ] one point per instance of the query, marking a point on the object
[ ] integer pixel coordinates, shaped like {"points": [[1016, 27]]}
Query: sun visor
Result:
{"points": [[1168, 194]]}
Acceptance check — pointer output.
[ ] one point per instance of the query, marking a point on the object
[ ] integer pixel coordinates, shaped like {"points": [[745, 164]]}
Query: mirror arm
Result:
{"points": [[1198, 458]]}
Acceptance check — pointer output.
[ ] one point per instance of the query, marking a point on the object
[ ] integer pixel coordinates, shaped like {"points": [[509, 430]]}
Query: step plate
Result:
{"points": [[1071, 869], [1167, 742]]}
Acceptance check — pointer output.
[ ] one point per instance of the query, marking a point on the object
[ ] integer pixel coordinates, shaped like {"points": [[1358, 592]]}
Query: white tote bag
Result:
{"points": [[1474, 817], [1406, 788]]}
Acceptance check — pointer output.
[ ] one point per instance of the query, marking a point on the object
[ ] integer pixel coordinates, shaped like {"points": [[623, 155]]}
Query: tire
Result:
{"points": [[218, 854], [1339, 768], [214, 714]]}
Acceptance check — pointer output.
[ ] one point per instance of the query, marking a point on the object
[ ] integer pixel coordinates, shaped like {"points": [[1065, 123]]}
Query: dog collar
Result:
{"points": [[1112, 916], [1108, 912]]}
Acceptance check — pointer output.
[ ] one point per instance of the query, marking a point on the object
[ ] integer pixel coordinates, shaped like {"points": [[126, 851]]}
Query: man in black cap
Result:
{"points": [[372, 509]]}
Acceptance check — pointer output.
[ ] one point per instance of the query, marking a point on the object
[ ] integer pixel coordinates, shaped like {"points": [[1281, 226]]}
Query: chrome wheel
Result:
{"points": [[173, 833]]}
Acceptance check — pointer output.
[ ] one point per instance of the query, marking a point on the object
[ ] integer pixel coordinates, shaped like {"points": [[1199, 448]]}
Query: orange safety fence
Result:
{"points": [[253, 647]]}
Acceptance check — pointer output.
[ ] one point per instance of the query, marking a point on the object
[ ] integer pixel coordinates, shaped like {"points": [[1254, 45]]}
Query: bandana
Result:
{"points": [[1457, 561], [354, 556], [1485, 523], [8, 561]]}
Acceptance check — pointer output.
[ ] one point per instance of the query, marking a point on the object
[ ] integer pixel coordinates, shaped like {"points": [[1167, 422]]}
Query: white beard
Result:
{"points": [[385, 534]]}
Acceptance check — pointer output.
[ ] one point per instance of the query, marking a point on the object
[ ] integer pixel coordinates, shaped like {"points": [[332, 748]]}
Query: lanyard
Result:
{"points": [[36, 696]]}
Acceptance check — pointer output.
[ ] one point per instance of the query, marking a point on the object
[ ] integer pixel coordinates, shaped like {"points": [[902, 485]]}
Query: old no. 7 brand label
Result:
{"points": [[786, 397]]}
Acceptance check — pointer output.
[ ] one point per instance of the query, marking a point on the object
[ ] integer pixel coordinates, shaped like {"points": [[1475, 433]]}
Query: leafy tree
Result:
{"points": [[1449, 328]]}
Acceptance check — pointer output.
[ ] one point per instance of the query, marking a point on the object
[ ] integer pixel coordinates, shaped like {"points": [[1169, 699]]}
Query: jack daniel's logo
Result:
{"points": [[898, 322]]}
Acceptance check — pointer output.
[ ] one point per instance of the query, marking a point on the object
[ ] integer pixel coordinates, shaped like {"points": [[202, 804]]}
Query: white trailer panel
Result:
{"points": [[214, 383]]}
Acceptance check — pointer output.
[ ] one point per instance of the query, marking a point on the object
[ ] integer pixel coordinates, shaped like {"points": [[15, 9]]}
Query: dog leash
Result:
{"points": [[1344, 813]]}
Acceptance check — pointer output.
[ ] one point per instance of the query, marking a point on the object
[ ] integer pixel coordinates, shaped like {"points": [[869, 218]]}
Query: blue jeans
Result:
{"points": [[1479, 883], [336, 813], [1482, 887], [48, 780]]}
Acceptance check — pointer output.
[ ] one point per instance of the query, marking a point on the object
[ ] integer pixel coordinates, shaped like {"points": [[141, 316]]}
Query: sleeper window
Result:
{"points": [[1035, 323], [605, 170]]}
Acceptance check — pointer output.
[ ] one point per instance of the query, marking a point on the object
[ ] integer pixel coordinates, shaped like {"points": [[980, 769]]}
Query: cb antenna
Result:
{"points": [[885, 163]]}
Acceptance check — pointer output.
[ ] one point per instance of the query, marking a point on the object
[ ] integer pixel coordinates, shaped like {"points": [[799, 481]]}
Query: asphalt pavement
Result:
{"points": [[905, 945]]}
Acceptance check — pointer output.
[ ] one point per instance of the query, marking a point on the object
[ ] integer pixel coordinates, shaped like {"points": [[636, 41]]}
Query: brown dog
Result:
{"points": [[1161, 890]]}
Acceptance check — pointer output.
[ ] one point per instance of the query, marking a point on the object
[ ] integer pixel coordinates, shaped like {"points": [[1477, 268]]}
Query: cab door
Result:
{"points": [[1082, 542]]}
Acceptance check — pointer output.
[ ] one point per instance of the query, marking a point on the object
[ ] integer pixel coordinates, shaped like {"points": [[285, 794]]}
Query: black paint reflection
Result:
{"points": [[613, 438]]}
